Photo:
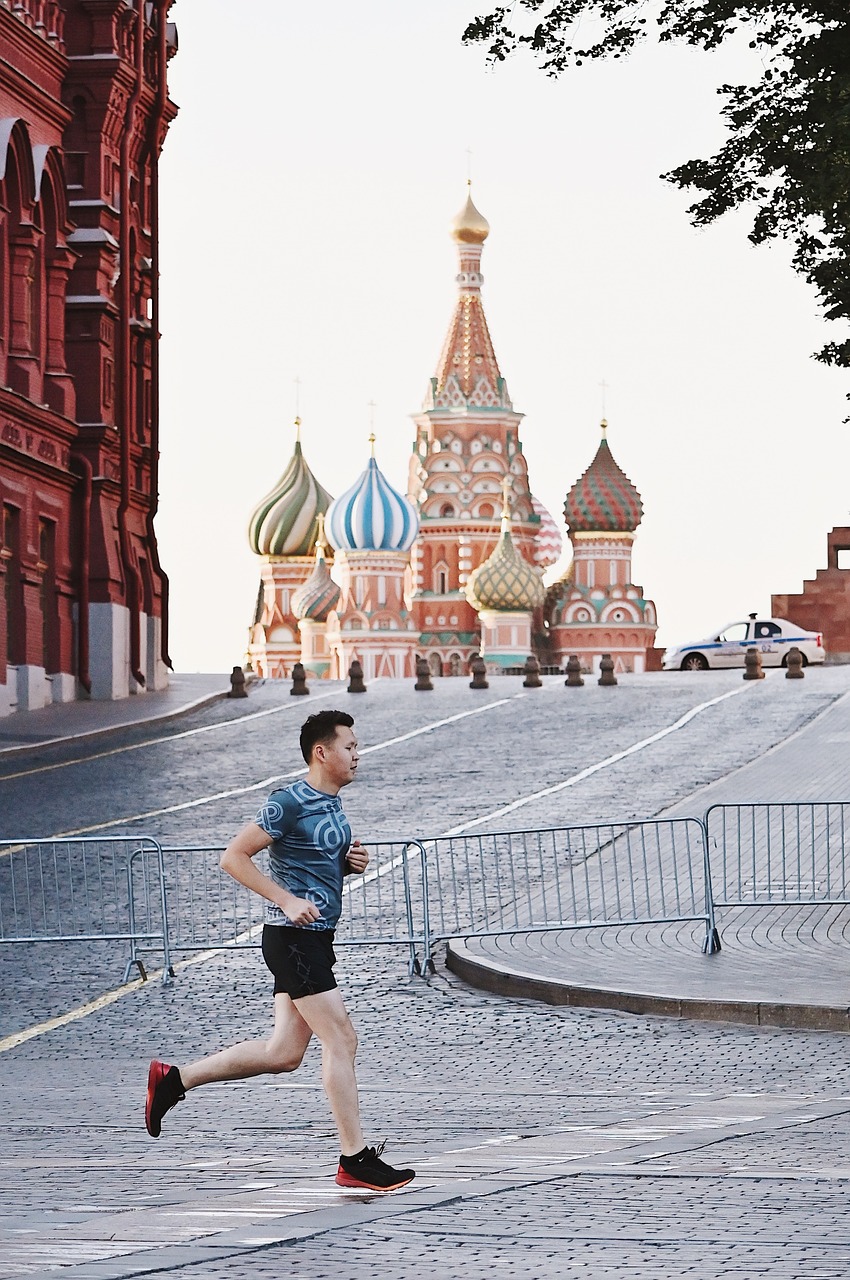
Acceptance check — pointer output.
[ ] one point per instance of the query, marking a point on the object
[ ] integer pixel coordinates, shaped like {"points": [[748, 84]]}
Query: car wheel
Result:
{"points": [[784, 662], [694, 662]]}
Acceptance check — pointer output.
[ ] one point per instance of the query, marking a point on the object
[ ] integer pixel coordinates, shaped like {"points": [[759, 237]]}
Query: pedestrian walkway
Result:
{"points": [[87, 718], [783, 967]]}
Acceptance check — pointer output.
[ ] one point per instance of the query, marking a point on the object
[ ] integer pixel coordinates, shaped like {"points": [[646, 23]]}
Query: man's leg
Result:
{"points": [[283, 1051], [326, 1016]]}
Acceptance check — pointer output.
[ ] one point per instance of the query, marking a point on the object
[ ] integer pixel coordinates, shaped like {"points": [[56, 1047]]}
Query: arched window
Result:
{"points": [[435, 662], [446, 511]]}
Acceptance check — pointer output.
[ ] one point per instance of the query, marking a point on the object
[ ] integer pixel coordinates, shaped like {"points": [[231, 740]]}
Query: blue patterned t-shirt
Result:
{"points": [[310, 840]]}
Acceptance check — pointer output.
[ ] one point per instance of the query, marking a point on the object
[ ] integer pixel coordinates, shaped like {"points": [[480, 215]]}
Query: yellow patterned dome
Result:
{"points": [[470, 226], [505, 581]]}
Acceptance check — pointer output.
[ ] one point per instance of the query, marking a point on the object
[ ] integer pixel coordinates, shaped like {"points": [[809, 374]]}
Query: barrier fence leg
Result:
{"points": [[413, 965], [711, 942], [134, 959], [167, 967]]}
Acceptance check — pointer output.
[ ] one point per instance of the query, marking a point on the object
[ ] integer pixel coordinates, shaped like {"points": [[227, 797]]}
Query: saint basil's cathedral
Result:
{"points": [[454, 567]]}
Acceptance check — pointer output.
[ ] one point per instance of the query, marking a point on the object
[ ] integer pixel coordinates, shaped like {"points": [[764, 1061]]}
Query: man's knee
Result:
{"points": [[282, 1058]]}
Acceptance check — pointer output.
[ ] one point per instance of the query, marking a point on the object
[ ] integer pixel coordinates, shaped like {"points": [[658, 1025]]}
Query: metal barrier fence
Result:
{"points": [[416, 893], [209, 910], [769, 855], [568, 877], [104, 889]]}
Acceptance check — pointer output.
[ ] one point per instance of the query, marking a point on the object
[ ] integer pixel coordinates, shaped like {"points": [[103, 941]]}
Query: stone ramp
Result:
{"points": [[779, 966]]}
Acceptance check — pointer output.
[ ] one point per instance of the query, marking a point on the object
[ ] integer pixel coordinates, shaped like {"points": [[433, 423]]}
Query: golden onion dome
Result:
{"points": [[470, 226], [505, 581]]}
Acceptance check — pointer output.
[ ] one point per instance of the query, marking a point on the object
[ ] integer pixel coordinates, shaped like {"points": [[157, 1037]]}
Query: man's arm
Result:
{"points": [[238, 861]]}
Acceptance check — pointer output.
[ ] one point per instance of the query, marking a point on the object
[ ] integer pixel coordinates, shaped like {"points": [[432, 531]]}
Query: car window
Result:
{"points": [[764, 630], [738, 631]]}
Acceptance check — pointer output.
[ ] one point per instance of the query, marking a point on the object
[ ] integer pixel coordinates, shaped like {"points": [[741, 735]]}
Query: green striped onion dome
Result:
{"points": [[285, 523], [604, 498], [505, 580], [316, 597]]}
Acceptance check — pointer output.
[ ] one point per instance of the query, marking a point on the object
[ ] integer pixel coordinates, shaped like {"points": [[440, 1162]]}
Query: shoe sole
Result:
{"points": [[156, 1074], [344, 1179]]}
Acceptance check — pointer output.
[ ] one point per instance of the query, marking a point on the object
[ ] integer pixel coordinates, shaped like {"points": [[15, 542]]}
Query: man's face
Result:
{"points": [[339, 758]]}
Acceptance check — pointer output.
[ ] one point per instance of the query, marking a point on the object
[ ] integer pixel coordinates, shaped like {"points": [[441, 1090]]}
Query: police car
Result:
{"points": [[773, 637]]}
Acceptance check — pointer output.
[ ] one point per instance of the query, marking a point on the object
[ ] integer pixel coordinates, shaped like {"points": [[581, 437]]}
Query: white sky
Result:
{"points": [[307, 188]]}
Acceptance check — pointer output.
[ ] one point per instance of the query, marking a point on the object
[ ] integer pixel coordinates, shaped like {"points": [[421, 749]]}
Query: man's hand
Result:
{"points": [[299, 910], [357, 859]]}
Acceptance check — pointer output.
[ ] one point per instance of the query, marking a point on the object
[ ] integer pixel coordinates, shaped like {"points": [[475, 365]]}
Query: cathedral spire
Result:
{"points": [[468, 372]]}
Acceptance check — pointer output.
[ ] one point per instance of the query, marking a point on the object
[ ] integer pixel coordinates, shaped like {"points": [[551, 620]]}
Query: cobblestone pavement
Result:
{"points": [[548, 1141]]}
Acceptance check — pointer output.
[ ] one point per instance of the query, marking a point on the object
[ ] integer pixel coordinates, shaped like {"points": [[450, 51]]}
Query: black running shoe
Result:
{"points": [[165, 1090], [368, 1170]]}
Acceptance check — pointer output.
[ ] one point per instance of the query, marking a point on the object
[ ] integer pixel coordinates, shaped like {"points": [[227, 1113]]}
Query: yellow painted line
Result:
{"points": [[110, 997], [102, 1002], [153, 742], [266, 783]]}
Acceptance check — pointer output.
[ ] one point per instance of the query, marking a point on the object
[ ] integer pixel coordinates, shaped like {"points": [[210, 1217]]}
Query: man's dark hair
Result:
{"points": [[322, 727]]}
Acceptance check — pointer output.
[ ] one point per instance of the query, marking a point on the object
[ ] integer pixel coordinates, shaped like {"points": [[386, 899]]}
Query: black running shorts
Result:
{"points": [[301, 960]]}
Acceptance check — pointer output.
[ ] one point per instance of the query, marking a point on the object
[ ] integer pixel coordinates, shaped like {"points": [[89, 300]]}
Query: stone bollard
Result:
{"points": [[606, 670], [532, 673], [237, 684], [752, 665], [574, 680], [423, 676], [355, 678], [794, 665], [299, 681], [479, 674]]}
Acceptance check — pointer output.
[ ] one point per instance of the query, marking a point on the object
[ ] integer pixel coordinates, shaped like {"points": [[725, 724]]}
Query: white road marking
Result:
{"points": [[595, 768], [155, 742], [266, 784]]}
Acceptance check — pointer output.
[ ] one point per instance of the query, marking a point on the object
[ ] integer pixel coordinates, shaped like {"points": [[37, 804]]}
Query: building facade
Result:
{"points": [[84, 110], [824, 603]]}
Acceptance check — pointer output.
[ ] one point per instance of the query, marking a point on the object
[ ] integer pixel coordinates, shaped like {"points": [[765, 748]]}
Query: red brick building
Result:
{"points": [[84, 109], [824, 603]]}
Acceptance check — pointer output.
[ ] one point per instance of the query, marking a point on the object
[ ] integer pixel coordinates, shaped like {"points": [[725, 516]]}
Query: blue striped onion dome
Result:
{"points": [[505, 580], [285, 523], [316, 597], [372, 516]]}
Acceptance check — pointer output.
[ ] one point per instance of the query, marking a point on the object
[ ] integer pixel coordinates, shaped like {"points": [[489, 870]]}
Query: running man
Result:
{"points": [[310, 852]]}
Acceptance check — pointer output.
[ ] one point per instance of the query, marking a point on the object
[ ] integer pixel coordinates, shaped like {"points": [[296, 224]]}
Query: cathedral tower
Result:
{"points": [[505, 590], [596, 608], [467, 443], [372, 528], [283, 532]]}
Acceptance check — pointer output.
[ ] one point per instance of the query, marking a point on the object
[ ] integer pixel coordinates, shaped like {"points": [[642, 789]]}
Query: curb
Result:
{"points": [[203, 701], [755, 1013]]}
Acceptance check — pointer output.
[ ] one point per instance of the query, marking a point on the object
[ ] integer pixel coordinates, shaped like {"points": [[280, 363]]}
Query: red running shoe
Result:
{"points": [[366, 1170], [165, 1090]]}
